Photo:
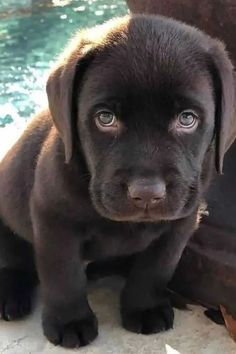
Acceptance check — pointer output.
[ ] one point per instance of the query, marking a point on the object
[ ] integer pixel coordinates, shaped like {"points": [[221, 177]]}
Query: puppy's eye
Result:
{"points": [[187, 120], [105, 119]]}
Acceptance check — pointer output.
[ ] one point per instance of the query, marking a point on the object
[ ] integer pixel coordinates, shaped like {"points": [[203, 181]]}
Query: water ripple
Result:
{"points": [[32, 34]]}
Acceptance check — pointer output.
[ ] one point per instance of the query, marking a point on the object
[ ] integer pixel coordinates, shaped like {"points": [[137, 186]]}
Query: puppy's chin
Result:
{"points": [[123, 212]]}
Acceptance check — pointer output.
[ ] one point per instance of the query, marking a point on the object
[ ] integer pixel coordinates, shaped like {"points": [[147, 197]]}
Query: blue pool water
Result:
{"points": [[32, 34]]}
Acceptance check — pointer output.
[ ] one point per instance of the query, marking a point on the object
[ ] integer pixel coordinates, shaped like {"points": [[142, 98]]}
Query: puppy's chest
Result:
{"points": [[114, 239]]}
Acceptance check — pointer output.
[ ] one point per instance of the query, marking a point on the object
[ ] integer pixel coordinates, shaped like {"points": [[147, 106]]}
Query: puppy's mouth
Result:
{"points": [[136, 216], [147, 216]]}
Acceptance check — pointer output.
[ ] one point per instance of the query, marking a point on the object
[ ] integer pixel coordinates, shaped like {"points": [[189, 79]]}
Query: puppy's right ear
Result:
{"points": [[61, 86], [65, 79], [225, 93]]}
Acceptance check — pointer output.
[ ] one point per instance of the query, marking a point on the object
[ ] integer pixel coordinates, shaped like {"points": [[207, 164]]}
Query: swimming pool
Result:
{"points": [[32, 34]]}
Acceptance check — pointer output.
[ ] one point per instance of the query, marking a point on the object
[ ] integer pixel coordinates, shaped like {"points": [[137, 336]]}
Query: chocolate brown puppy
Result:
{"points": [[140, 111]]}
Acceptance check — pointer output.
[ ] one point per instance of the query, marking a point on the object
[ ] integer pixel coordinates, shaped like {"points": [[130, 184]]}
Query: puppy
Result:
{"points": [[139, 110]]}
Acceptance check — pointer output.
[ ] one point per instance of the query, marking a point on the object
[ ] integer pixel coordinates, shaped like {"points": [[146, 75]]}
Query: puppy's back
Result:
{"points": [[17, 175]]}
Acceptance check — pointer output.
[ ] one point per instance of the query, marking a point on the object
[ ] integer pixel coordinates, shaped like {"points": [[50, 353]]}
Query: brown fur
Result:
{"points": [[65, 186]]}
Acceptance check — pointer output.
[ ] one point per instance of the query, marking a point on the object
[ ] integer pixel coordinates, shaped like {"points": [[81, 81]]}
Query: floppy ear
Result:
{"points": [[64, 81], [61, 86], [225, 94]]}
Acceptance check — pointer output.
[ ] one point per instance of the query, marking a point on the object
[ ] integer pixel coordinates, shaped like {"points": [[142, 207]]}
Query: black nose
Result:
{"points": [[146, 193]]}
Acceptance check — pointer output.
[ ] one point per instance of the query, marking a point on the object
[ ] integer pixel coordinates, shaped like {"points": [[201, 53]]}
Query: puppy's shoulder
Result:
{"points": [[38, 128], [28, 145]]}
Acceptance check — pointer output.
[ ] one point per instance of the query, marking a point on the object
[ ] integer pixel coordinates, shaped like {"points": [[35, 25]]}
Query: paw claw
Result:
{"points": [[15, 294], [74, 334], [149, 321]]}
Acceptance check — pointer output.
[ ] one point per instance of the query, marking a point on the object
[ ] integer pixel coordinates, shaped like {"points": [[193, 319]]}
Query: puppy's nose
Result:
{"points": [[146, 194]]}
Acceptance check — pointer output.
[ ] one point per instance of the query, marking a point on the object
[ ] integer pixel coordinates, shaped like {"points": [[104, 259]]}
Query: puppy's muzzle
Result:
{"points": [[146, 193]]}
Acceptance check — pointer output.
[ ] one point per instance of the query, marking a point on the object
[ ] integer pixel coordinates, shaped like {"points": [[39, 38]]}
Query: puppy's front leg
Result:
{"points": [[67, 317], [144, 306]]}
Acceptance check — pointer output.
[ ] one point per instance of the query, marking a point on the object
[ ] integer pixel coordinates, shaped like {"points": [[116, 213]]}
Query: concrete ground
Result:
{"points": [[193, 333]]}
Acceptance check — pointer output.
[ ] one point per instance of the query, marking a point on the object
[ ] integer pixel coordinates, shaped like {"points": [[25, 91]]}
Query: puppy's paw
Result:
{"points": [[16, 289], [157, 319], [76, 333]]}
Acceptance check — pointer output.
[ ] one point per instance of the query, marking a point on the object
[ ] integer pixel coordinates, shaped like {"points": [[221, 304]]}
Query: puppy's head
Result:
{"points": [[148, 100]]}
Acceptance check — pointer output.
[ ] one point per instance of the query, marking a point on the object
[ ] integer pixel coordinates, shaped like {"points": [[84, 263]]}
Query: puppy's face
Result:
{"points": [[146, 120]]}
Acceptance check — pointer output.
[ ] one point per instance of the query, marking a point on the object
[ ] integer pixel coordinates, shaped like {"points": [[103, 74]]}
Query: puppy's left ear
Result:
{"points": [[225, 94], [62, 86]]}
